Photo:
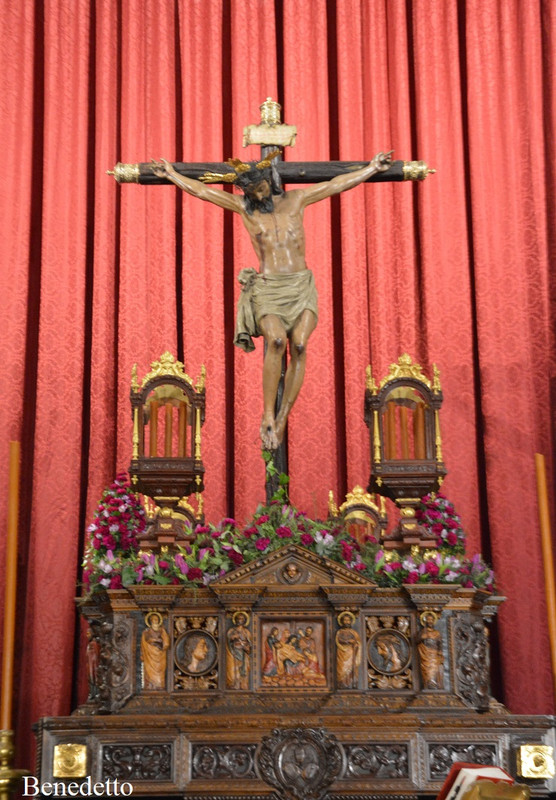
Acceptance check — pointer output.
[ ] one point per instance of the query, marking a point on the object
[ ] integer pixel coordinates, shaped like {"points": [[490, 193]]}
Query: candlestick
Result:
{"points": [[10, 590], [546, 544]]}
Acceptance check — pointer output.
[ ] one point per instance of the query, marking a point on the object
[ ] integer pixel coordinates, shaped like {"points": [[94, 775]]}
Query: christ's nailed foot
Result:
{"points": [[268, 434], [280, 428]]}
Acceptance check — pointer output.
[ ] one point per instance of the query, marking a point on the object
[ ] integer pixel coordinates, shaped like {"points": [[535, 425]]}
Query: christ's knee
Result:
{"points": [[277, 344], [298, 349]]}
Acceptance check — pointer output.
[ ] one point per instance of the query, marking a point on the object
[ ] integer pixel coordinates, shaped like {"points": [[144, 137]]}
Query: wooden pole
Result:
{"points": [[10, 591], [548, 562]]}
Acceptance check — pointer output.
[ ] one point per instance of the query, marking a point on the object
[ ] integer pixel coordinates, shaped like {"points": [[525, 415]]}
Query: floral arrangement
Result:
{"points": [[437, 514], [113, 558], [119, 519]]}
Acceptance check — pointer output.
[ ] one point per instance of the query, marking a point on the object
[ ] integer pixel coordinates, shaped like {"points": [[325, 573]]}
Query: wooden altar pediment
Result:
{"points": [[294, 567]]}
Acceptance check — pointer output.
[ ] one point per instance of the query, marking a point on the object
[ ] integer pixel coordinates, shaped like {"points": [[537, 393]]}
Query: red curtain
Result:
{"points": [[96, 277]]}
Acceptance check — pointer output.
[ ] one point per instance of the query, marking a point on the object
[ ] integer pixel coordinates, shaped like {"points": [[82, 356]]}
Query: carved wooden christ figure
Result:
{"points": [[280, 301]]}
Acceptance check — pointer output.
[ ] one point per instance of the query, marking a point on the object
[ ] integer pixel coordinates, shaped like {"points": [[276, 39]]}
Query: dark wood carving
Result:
{"points": [[377, 761], [301, 762], [350, 689], [442, 756], [137, 762], [224, 761], [472, 666]]}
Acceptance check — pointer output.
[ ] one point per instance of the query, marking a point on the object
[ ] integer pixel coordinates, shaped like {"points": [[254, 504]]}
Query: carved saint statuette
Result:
{"points": [[238, 652], [348, 652], [154, 644], [93, 660], [431, 658]]}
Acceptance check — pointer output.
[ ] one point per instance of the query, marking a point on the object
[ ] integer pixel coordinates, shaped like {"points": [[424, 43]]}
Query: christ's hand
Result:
{"points": [[382, 161]]}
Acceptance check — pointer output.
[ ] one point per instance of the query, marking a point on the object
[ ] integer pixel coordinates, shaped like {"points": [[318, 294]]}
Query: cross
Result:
{"points": [[273, 136]]}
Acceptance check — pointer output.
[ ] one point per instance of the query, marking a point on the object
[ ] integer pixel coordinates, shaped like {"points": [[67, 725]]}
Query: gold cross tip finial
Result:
{"points": [[270, 112]]}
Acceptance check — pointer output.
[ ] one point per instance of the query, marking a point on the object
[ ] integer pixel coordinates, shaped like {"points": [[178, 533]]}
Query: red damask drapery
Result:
{"points": [[96, 277]]}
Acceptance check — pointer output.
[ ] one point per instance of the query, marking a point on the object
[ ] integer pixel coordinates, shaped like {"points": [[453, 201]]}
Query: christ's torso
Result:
{"points": [[278, 236]]}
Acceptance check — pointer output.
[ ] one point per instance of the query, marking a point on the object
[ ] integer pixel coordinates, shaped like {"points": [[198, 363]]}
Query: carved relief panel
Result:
{"points": [[292, 652], [389, 652], [196, 652]]}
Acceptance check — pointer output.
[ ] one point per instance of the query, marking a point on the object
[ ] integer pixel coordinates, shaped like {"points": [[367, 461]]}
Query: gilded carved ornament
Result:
{"points": [[535, 761], [416, 170], [405, 368], [168, 366], [358, 496], [69, 761]]}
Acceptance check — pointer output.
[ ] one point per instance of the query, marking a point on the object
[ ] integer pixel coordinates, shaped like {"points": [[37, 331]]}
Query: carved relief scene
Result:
{"points": [[293, 654]]}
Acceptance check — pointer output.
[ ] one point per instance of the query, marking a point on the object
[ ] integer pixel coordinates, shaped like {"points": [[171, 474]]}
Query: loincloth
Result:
{"points": [[286, 296]]}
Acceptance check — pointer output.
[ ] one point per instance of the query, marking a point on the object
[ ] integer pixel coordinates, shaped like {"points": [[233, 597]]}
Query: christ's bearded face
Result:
{"points": [[258, 197]]}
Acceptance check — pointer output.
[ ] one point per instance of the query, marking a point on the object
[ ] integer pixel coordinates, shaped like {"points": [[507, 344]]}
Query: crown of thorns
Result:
{"points": [[239, 168]]}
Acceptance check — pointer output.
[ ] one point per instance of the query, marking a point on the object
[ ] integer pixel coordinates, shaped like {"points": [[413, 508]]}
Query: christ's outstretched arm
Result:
{"points": [[163, 169], [319, 191]]}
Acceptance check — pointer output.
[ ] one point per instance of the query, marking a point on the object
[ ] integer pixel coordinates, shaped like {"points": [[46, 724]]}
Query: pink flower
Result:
{"points": [[235, 557], [216, 534], [283, 532], [432, 568], [413, 577], [163, 565], [307, 539], [262, 519], [437, 528], [116, 582], [249, 532], [109, 542], [181, 563], [202, 529], [195, 574], [262, 543], [347, 551], [452, 538]]}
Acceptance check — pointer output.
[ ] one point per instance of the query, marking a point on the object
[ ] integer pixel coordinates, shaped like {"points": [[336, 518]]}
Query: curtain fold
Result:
{"points": [[95, 277]]}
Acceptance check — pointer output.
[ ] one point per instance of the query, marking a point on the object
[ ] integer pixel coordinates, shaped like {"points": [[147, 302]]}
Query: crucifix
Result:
{"points": [[279, 302]]}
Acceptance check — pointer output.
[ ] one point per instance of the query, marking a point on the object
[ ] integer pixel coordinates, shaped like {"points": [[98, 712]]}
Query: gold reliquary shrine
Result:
{"points": [[168, 411], [402, 414]]}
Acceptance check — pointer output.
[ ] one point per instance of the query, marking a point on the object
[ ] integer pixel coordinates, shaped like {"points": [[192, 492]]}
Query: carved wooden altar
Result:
{"points": [[290, 677]]}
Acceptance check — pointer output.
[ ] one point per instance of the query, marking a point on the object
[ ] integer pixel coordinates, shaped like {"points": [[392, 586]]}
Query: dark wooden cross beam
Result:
{"points": [[289, 171], [271, 134]]}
